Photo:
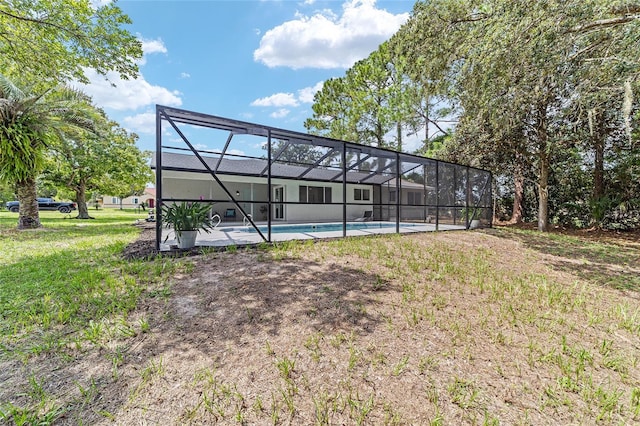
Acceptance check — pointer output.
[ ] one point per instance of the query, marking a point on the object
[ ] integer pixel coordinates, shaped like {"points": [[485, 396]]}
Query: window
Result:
{"points": [[135, 200], [315, 194], [414, 198], [114, 200], [392, 196], [361, 194]]}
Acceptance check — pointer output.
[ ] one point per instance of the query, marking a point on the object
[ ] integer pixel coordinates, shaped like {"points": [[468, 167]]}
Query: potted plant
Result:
{"points": [[474, 217], [187, 219]]}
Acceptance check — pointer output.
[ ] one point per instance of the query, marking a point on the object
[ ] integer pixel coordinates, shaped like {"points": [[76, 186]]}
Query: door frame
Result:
{"points": [[278, 205]]}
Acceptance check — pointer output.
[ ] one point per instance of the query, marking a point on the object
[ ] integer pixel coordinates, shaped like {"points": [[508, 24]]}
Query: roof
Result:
{"points": [[258, 167], [365, 164]]}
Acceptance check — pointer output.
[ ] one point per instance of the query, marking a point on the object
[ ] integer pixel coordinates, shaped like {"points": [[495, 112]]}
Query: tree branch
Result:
{"points": [[472, 18], [604, 23], [44, 22], [438, 126]]}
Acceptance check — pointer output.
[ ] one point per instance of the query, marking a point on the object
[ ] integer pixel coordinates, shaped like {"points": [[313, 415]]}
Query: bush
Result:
{"points": [[624, 217], [575, 214]]}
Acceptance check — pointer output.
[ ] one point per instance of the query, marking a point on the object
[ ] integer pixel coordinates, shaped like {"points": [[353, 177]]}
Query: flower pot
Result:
{"points": [[187, 239]]}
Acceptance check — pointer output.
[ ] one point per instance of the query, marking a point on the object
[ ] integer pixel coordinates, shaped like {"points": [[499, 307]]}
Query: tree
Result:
{"points": [[54, 40], [29, 123], [106, 161], [331, 112], [422, 96], [46, 42], [367, 104], [518, 69], [372, 87]]}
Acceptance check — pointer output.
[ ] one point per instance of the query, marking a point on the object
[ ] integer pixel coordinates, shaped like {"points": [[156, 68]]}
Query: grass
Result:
{"points": [[68, 274], [65, 289], [507, 302], [429, 329], [591, 259]]}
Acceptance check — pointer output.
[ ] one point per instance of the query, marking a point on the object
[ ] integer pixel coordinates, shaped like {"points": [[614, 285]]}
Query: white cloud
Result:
{"points": [[153, 46], [325, 40], [306, 95], [144, 123], [149, 47], [235, 152], [185, 75], [288, 100], [281, 113], [277, 100], [127, 94]]}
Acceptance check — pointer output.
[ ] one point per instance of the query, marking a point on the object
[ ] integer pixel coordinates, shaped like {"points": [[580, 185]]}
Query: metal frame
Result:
{"points": [[345, 174]]}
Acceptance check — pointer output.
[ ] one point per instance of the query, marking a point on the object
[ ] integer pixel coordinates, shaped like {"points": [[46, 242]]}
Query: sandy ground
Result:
{"points": [[326, 335]]}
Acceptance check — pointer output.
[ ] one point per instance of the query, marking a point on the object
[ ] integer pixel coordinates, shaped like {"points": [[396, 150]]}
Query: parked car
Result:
{"points": [[45, 204]]}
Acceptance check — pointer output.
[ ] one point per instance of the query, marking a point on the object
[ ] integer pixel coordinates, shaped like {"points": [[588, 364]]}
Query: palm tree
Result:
{"points": [[29, 123]]}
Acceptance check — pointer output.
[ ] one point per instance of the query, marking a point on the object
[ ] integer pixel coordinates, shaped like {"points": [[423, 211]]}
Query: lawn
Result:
{"points": [[500, 326]]}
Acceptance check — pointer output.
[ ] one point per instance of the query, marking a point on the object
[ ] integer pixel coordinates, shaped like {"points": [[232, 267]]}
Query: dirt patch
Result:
{"points": [[145, 245], [144, 248], [464, 327]]}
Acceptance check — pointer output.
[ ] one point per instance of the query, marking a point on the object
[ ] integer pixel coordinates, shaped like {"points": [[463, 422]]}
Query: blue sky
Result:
{"points": [[259, 61]]}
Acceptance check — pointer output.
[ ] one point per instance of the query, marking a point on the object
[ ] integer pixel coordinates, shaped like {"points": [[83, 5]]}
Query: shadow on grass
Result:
{"points": [[609, 262], [261, 297], [226, 301]]}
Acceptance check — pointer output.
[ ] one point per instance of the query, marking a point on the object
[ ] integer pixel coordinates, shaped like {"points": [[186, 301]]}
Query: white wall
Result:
{"points": [[323, 212], [194, 186]]}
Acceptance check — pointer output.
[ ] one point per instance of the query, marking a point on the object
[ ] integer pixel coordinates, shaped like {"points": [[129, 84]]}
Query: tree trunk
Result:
{"points": [[426, 126], [81, 200], [543, 178], [543, 194], [518, 198], [399, 136], [597, 140], [518, 190], [29, 216]]}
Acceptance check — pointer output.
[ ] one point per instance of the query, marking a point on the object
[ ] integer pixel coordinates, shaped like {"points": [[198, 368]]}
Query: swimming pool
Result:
{"points": [[319, 227]]}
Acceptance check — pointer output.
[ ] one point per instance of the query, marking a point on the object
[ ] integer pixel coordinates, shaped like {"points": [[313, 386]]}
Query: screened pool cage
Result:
{"points": [[265, 184]]}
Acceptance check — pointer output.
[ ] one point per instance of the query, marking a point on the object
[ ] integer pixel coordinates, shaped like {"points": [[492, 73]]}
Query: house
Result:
{"points": [[318, 196], [299, 178], [148, 197]]}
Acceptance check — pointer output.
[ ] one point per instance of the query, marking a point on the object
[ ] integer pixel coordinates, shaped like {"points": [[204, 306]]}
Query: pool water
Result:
{"points": [[318, 227]]}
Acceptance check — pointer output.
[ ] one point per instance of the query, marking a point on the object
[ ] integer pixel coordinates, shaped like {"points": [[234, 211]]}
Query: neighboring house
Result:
{"points": [[148, 197]]}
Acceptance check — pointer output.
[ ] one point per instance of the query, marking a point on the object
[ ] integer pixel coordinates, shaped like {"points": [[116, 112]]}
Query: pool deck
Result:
{"points": [[228, 234]]}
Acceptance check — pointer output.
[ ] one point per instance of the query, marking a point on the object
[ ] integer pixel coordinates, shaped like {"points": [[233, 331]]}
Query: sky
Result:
{"points": [[259, 61]]}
